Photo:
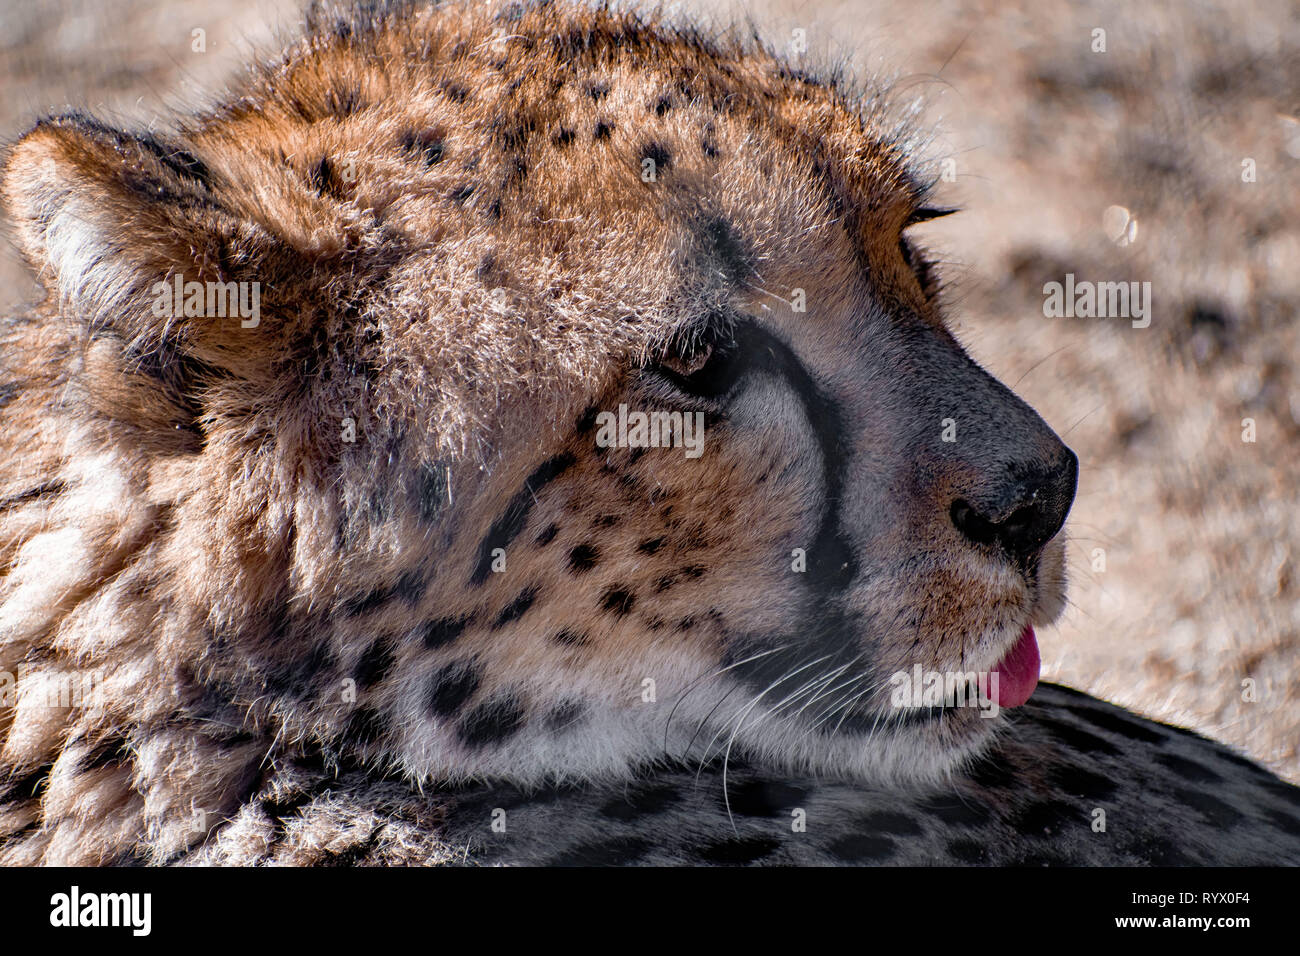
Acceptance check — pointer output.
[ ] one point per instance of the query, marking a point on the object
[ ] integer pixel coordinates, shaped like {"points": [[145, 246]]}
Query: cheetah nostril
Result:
{"points": [[972, 524], [1020, 534], [1023, 532]]}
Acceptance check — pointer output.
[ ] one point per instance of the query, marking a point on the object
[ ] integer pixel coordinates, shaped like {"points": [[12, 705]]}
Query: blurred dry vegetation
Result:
{"points": [[1200, 530]]}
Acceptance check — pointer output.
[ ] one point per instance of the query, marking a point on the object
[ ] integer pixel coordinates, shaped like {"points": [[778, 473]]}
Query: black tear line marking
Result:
{"points": [[831, 562]]}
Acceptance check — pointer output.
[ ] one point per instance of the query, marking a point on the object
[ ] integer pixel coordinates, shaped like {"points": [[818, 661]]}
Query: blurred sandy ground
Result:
{"points": [[1199, 530]]}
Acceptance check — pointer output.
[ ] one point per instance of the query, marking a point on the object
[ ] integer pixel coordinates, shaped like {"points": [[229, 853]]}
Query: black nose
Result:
{"points": [[1026, 510]]}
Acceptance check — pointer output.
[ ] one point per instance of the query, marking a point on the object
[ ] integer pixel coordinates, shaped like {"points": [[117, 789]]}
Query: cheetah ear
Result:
{"points": [[110, 219]]}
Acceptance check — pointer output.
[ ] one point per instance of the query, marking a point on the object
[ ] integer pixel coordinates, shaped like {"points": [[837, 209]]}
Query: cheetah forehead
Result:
{"points": [[558, 188]]}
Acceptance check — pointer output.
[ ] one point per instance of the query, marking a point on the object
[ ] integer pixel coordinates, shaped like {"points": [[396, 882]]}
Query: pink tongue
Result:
{"points": [[1018, 671]]}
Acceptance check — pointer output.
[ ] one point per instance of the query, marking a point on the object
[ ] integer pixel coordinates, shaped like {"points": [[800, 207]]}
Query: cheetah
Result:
{"points": [[527, 433]]}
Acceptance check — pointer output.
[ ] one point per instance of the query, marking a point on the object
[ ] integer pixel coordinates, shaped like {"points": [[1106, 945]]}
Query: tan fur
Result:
{"points": [[458, 252]]}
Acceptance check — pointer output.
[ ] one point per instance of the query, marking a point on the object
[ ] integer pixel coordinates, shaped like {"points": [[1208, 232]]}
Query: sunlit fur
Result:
{"points": [[458, 252]]}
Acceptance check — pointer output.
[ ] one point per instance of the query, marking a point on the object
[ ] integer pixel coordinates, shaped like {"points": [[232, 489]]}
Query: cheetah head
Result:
{"points": [[586, 405]]}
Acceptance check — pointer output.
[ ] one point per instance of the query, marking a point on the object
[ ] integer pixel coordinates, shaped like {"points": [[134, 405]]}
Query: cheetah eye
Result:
{"points": [[925, 214], [704, 369], [686, 365]]}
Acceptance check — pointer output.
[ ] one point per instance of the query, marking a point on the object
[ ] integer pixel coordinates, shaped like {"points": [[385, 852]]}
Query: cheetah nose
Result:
{"points": [[1025, 511]]}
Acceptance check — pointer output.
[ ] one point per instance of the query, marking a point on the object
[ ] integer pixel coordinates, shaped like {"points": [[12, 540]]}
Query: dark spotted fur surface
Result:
{"points": [[1170, 797]]}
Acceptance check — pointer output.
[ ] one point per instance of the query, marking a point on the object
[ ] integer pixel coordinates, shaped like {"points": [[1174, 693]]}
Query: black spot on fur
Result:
{"points": [[514, 137], [516, 608], [1283, 791], [650, 545], [409, 588], [374, 664], [763, 798], [461, 193], [739, 851], [1189, 770], [583, 558], [658, 154], [587, 420], [45, 490], [455, 92], [602, 131], [1283, 821], [1215, 811], [443, 631], [325, 181], [598, 91], [492, 722], [662, 105], [424, 145], [278, 809], [512, 520], [111, 750], [563, 138], [862, 848], [567, 713], [547, 536], [1252, 768], [617, 600], [967, 851], [1081, 783], [9, 391], [287, 667], [1079, 740], [1117, 724], [451, 686], [25, 787], [708, 149], [640, 800], [568, 637]]}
